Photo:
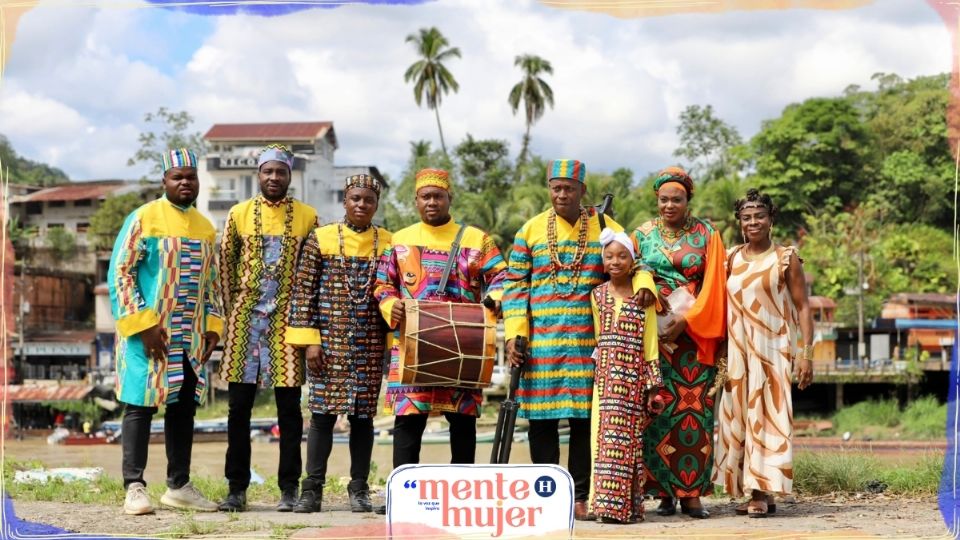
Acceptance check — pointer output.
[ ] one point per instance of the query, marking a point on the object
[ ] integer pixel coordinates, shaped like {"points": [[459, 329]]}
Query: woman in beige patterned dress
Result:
{"points": [[767, 301]]}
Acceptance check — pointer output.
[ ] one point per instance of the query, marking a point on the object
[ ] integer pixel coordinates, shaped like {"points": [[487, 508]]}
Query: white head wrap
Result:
{"points": [[608, 236]]}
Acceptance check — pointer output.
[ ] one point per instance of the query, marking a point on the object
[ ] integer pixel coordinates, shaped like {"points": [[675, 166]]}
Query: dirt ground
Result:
{"points": [[844, 516]]}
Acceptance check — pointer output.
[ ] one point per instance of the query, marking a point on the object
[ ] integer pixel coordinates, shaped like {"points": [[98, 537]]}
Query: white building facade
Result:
{"points": [[228, 171]]}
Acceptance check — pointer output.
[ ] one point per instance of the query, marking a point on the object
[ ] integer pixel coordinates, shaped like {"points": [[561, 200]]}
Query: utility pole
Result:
{"points": [[861, 345]]}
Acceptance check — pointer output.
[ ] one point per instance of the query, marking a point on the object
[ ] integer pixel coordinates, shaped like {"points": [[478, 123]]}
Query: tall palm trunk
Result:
{"points": [[436, 111], [522, 158]]}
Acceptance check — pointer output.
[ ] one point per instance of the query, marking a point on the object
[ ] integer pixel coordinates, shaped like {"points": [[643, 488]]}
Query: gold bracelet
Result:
{"points": [[807, 353]]}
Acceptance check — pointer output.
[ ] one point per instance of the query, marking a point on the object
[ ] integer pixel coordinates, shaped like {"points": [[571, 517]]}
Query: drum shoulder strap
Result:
{"points": [[451, 259]]}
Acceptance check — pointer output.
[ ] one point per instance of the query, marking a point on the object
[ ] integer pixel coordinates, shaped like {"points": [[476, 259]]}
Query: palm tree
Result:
{"points": [[535, 93], [430, 77]]}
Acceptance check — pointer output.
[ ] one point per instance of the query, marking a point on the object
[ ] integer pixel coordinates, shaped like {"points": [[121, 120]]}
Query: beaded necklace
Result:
{"points": [[671, 238], [555, 262], [259, 246], [348, 281]]}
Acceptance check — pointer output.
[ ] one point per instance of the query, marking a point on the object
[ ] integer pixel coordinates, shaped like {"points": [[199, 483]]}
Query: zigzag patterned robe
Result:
{"points": [[255, 301], [162, 272]]}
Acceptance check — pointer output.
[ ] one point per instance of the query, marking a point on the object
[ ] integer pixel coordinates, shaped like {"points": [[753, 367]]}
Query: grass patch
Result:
{"points": [[283, 530], [108, 490], [923, 419], [190, 527], [823, 473], [104, 490]]}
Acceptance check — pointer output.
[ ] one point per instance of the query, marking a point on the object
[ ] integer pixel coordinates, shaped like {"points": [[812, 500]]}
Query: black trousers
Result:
{"points": [[177, 431], [320, 443], [290, 419], [545, 448], [408, 435]]}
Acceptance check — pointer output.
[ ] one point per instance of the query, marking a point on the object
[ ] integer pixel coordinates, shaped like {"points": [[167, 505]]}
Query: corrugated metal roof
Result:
{"points": [[37, 393], [923, 298], [269, 131], [77, 191], [818, 302]]}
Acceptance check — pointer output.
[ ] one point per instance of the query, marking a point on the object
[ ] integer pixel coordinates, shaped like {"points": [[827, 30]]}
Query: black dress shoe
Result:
{"points": [[288, 499], [236, 501], [309, 502], [667, 509], [697, 513], [359, 493]]}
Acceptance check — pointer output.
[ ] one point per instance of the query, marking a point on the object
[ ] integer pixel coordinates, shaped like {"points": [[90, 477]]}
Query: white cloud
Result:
{"points": [[81, 79]]}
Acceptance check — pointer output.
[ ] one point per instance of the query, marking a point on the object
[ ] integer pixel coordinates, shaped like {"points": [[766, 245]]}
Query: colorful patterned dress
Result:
{"points": [[332, 307], [162, 272], [555, 315], [755, 445], [679, 453], [412, 268], [258, 257], [627, 369]]}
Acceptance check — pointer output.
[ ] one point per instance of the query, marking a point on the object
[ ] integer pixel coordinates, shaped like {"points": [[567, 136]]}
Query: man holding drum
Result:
{"points": [[334, 315], [555, 263], [411, 270]]}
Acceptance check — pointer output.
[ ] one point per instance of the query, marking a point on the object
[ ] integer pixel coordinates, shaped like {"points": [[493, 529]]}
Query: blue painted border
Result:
{"points": [[266, 8]]}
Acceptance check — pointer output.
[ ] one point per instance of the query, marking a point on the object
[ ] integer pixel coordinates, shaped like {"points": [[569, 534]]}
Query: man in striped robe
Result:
{"points": [[556, 261]]}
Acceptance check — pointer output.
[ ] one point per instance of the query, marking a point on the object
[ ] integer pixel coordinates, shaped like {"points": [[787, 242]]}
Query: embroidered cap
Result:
{"points": [[433, 177], [362, 181], [275, 152], [179, 157], [571, 169]]}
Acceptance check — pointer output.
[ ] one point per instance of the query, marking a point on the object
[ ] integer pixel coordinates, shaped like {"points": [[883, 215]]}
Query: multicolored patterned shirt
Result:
{"points": [[554, 313], [258, 256], [162, 272], [412, 268], [332, 307]]}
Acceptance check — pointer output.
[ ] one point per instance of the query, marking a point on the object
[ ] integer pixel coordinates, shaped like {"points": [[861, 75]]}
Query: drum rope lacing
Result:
{"points": [[458, 353]]}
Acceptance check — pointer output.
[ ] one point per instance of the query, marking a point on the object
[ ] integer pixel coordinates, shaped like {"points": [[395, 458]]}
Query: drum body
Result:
{"points": [[447, 344]]}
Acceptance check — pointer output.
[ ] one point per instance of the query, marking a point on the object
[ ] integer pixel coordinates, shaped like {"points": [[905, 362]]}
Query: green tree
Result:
{"points": [[20, 170], [897, 258], [62, 242], [174, 132], [483, 165], [533, 92], [813, 157], [907, 121], [17, 233], [714, 202], [706, 142], [107, 221], [431, 79]]}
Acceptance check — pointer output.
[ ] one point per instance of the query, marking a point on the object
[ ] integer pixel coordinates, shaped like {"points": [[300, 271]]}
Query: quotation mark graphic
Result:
{"points": [[410, 484]]}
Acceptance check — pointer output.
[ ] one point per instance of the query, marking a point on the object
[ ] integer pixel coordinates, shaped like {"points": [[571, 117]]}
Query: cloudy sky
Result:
{"points": [[79, 80]]}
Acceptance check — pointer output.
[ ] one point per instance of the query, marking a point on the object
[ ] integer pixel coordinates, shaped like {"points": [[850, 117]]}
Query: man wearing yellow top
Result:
{"points": [[555, 263], [163, 293], [412, 269], [335, 317], [258, 256]]}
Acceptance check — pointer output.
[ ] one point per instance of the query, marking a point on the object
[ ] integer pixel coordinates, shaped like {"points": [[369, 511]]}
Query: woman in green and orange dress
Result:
{"points": [[683, 251]]}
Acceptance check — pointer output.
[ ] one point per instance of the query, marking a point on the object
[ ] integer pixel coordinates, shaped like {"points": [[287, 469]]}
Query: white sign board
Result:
{"points": [[489, 501], [55, 349]]}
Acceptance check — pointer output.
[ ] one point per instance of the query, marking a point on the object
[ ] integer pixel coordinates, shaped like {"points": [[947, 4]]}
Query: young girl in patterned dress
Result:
{"points": [[626, 381]]}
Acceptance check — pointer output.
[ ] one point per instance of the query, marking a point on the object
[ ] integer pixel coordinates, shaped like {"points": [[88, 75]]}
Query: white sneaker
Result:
{"points": [[137, 503], [187, 498]]}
